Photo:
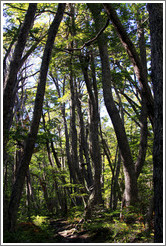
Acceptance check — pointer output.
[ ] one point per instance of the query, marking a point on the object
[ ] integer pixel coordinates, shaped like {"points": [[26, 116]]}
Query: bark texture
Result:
{"points": [[83, 144], [156, 30], [130, 194], [134, 57], [144, 112], [10, 88], [93, 127], [67, 142], [30, 142]]}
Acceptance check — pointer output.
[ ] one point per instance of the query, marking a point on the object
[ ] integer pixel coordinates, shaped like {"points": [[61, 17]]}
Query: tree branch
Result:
{"points": [[89, 42]]}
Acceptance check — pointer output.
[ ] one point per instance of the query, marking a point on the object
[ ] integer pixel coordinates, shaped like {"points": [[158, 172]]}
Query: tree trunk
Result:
{"points": [[131, 192], [115, 186], [31, 139], [73, 130], [67, 142], [7, 55], [144, 111], [11, 82], [83, 148], [61, 199], [94, 130], [134, 57], [156, 30], [45, 193]]}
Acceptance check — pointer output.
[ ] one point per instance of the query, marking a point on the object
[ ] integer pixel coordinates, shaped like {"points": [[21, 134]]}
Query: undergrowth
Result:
{"points": [[36, 231], [105, 226]]}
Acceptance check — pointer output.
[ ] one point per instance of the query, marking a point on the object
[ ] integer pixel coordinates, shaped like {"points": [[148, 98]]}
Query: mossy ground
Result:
{"points": [[103, 227]]}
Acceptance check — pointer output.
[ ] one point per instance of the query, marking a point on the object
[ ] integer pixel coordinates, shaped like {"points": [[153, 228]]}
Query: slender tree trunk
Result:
{"points": [[11, 82], [94, 131], [31, 139], [144, 111], [134, 57], [131, 192], [115, 186], [60, 193], [83, 144], [156, 30], [67, 142], [45, 192], [73, 130], [7, 55], [29, 194]]}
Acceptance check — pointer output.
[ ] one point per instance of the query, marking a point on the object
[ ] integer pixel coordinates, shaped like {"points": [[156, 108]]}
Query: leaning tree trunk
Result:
{"points": [[156, 30], [11, 82], [31, 139], [134, 57], [131, 192], [144, 112]]}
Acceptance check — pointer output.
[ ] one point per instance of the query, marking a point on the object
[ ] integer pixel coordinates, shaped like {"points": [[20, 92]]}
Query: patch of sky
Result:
{"points": [[44, 18]]}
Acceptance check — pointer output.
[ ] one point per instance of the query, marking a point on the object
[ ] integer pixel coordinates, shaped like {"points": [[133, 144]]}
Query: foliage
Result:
{"points": [[28, 232], [52, 187]]}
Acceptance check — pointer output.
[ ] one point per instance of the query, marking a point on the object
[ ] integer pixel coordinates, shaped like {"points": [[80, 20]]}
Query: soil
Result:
{"points": [[68, 233]]}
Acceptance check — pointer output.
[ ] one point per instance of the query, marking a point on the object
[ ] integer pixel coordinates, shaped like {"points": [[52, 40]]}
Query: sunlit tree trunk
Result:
{"points": [[67, 142], [83, 148], [10, 87], [134, 57], [73, 130], [144, 110], [31, 139], [96, 196], [131, 192]]}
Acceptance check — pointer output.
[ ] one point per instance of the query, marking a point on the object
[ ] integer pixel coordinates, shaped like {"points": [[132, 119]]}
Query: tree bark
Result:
{"points": [[31, 139], [94, 130], [67, 142], [83, 148], [115, 191], [43, 185], [7, 55], [131, 192], [144, 111], [11, 82], [73, 130], [156, 31], [134, 57]]}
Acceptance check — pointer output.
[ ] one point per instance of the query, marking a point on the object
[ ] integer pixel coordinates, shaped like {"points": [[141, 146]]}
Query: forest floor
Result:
{"points": [[70, 233], [101, 229]]}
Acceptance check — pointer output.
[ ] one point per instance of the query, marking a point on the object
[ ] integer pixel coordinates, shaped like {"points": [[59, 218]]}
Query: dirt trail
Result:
{"points": [[67, 233]]}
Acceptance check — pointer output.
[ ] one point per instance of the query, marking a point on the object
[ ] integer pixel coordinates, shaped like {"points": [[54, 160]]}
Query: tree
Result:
{"points": [[31, 139], [91, 152], [91, 84], [134, 57], [131, 192], [11, 83], [156, 31]]}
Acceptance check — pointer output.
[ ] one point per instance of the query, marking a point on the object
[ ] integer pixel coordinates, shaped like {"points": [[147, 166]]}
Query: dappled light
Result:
{"points": [[82, 122]]}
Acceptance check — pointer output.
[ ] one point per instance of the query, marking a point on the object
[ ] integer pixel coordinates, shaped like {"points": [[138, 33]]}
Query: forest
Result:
{"points": [[82, 122]]}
